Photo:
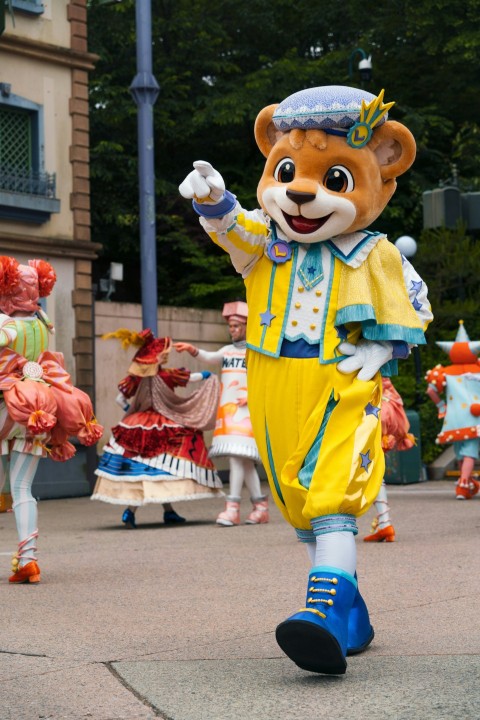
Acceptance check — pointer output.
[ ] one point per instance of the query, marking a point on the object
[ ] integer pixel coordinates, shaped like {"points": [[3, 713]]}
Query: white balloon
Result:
{"points": [[407, 245]]}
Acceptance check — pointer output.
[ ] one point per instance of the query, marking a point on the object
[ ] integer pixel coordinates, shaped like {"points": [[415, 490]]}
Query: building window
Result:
{"points": [[27, 192], [29, 6], [16, 139]]}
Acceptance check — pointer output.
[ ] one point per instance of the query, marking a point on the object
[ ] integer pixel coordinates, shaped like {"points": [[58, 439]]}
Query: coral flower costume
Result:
{"points": [[40, 408]]}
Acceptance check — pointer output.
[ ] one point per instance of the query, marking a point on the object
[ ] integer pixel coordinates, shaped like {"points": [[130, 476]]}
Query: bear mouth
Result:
{"points": [[304, 225]]}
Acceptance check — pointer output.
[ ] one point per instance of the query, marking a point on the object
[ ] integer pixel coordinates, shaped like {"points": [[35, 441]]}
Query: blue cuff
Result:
{"points": [[206, 374], [226, 205], [305, 536], [338, 522], [401, 350]]}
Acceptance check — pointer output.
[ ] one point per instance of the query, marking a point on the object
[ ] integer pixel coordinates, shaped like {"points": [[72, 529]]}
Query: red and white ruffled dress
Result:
{"points": [[157, 453]]}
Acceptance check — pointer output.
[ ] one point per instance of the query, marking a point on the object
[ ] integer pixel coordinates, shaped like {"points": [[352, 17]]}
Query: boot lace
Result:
{"points": [[312, 601]]}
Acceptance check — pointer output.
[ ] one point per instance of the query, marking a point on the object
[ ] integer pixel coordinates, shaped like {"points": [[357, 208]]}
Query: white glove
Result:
{"points": [[367, 356], [122, 401], [202, 183]]}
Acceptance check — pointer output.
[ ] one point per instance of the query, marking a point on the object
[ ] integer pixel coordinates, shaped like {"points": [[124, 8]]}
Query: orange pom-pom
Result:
{"points": [[46, 276], [40, 422], [9, 275], [91, 433], [406, 443], [475, 409], [388, 442], [62, 453]]}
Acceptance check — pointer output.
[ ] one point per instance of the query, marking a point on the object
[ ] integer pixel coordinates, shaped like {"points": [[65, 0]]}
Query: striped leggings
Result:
{"points": [[21, 468]]}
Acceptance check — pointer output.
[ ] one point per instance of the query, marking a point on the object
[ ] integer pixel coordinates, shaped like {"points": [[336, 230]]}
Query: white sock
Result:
{"points": [[311, 550], [338, 550], [252, 481], [236, 477], [382, 508]]}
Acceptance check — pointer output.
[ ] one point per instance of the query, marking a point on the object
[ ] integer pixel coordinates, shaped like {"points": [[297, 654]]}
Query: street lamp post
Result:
{"points": [[144, 90], [364, 66]]}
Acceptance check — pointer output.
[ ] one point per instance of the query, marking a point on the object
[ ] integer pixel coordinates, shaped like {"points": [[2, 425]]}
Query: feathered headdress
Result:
{"points": [[152, 354]]}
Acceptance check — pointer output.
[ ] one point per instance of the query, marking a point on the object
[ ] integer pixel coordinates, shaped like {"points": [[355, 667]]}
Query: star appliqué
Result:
{"points": [[365, 460], [266, 318], [372, 410]]}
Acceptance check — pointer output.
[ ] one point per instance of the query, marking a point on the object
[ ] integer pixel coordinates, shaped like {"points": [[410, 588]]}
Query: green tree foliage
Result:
{"points": [[218, 63]]}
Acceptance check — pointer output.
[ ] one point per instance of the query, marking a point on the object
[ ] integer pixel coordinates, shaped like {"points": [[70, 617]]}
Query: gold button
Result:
{"points": [[301, 288], [294, 322], [315, 309], [297, 305], [318, 293], [312, 327]]}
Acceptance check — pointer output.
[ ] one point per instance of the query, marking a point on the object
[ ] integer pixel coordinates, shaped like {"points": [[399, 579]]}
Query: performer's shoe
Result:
{"points": [[466, 492], [474, 486], [128, 518], [463, 493], [259, 514], [316, 637], [5, 502], [231, 515], [29, 573], [387, 533], [360, 630], [170, 517]]}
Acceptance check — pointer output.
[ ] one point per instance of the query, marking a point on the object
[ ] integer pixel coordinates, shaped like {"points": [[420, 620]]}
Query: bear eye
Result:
{"points": [[339, 179], [285, 171]]}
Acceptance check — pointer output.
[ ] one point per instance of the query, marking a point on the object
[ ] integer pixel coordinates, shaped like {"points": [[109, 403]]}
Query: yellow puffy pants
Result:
{"points": [[319, 435]]}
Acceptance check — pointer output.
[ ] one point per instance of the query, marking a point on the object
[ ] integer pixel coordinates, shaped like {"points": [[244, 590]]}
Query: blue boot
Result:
{"points": [[360, 631], [128, 518], [316, 637], [171, 517]]}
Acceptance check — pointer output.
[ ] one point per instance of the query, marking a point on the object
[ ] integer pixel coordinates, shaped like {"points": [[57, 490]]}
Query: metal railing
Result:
{"points": [[26, 182]]}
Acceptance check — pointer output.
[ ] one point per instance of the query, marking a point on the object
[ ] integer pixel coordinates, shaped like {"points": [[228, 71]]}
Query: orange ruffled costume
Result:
{"points": [[39, 408], [38, 393], [395, 424]]}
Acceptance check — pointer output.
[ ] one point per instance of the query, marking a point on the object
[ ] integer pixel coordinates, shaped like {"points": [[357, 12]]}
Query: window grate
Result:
{"points": [[27, 183], [15, 140]]}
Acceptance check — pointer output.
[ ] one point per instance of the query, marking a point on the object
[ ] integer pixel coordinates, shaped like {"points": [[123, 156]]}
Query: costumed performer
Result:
{"points": [[157, 453], [40, 408], [395, 436], [459, 383], [233, 435], [330, 306]]}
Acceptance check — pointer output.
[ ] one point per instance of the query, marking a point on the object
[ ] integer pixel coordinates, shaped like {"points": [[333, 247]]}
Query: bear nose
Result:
{"points": [[300, 197]]}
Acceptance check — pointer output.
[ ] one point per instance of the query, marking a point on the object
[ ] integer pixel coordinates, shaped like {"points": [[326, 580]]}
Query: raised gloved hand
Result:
{"points": [[367, 356], [204, 184]]}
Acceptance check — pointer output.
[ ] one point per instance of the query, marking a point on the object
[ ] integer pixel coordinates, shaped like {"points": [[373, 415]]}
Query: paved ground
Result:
{"points": [[178, 622]]}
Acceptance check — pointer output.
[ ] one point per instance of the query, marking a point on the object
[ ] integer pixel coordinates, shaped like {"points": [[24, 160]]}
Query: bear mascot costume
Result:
{"points": [[332, 306]]}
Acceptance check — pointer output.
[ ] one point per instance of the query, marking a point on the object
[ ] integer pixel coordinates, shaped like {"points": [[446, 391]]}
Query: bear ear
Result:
{"points": [[266, 133], [394, 147]]}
